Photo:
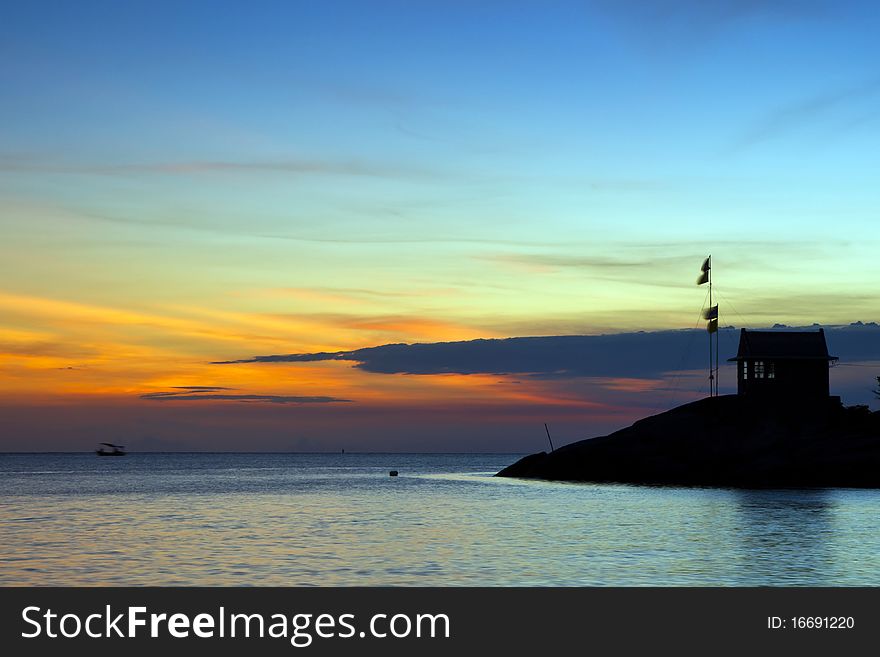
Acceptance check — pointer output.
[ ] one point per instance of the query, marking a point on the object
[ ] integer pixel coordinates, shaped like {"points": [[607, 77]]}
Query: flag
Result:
{"points": [[711, 312], [712, 326], [704, 277]]}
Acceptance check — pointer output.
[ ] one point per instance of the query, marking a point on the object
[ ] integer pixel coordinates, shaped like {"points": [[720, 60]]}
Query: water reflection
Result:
{"points": [[786, 532]]}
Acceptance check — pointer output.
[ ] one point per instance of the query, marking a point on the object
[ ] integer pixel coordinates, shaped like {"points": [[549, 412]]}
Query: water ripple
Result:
{"points": [[312, 520]]}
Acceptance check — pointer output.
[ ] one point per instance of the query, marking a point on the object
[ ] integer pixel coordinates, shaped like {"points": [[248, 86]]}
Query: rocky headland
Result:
{"points": [[727, 441]]}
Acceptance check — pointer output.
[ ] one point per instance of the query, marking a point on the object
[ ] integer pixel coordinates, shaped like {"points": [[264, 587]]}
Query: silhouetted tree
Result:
{"points": [[877, 391]]}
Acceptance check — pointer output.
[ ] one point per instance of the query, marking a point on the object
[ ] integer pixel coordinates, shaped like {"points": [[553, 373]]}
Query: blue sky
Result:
{"points": [[188, 182], [537, 120]]}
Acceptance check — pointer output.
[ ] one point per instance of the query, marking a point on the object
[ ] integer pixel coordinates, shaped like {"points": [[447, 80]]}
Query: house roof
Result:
{"points": [[782, 345]]}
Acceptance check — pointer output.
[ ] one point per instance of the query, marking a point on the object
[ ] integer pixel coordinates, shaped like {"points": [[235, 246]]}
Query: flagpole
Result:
{"points": [[717, 349], [711, 377], [711, 313]]}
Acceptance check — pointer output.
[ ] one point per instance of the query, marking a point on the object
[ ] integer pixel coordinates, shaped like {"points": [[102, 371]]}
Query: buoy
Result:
{"points": [[393, 473]]}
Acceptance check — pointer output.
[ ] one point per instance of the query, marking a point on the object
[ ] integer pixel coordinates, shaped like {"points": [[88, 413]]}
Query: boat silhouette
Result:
{"points": [[115, 450]]}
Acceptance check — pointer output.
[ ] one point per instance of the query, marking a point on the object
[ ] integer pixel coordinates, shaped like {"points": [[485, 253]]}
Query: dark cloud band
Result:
{"points": [[641, 354]]}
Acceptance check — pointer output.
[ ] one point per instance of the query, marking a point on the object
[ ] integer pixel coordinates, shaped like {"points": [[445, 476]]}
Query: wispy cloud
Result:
{"points": [[294, 358], [827, 105], [602, 267], [17, 163], [661, 264], [202, 388], [351, 294], [204, 393], [680, 24], [220, 393], [431, 240], [178, 391]]}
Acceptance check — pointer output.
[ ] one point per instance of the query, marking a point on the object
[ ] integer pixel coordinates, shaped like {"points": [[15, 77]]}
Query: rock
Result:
{"points": [[730, 441]]}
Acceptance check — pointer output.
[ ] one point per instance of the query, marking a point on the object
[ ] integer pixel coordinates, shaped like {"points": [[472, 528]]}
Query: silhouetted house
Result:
{"points": [[783, 364]]}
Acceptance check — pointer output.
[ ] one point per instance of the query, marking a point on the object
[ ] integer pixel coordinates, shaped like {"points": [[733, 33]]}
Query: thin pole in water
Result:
{"points": [[548, 436]]}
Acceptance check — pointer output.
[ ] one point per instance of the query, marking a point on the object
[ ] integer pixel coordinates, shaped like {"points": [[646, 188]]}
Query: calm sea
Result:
{"points": [[320, 519]]}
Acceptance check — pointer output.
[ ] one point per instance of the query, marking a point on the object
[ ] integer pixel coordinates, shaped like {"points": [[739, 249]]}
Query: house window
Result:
{"points": [[771, 370], [759, 369], [745, 369]]}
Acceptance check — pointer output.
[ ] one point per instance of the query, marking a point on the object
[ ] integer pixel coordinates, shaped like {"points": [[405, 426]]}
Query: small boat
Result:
{"points": [[115, 450]]}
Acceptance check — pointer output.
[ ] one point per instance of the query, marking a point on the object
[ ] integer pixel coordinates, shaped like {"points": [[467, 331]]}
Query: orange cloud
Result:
{"points": [[624, 384], [56, 350]]}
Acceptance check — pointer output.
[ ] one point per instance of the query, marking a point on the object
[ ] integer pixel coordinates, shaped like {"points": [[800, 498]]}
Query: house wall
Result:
{"points": [[791, 378]]}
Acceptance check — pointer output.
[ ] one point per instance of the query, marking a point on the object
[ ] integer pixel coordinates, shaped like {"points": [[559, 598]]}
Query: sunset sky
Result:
{"points": [[185, 183]]}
